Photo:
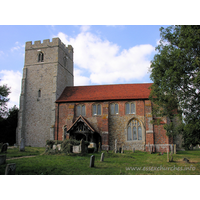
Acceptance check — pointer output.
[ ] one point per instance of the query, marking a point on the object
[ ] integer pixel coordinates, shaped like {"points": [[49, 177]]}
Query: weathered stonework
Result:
{"points": [[37, 112]]}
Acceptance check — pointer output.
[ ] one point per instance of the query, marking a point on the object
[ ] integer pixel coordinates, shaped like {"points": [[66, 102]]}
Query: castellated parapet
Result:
{"points": [[48, 69]]}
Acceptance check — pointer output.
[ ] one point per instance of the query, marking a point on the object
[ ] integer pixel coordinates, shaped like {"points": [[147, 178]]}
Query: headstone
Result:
{"points": [[186, 160], [82, 146], [59, 147], [115, 145], [92, 158], [175, 149], [2, 159], [22, 145], [167, 156], [133, 150], [151, 147], [4, 148], [54, 147], [102, 157], [172, 148], [10, 169], [171, 159], [120, 149], [76, 149], [99, 147]]}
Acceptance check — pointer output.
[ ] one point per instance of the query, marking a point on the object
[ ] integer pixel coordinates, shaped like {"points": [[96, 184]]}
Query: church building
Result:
{"points": [[52, 108]]}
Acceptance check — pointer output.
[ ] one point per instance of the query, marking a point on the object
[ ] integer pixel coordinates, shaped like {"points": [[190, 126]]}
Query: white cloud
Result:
{"points": [[79, 79], [85, 28], [13, 80], [17, 47], [1, 53], [105, 62]]}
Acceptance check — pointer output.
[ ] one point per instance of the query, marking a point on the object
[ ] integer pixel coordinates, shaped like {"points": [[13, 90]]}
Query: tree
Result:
{"points": [[175, 72], [4, 92]]}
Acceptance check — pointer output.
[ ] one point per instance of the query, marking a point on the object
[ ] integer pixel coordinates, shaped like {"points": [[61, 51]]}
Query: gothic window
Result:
{"points": [[114, 109], [96, 109], [134, 130], [40, 57], [130, 108], [80, 110]]}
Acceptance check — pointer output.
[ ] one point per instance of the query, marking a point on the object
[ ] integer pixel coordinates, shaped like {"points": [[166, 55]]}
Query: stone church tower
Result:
{"points": [[48, 69]]}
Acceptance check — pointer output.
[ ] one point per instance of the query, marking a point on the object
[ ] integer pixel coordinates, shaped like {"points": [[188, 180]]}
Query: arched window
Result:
{"points": [[80, 110], [134, 130], [39, 93], [40, 57], [114, 109], [96, 109], [130, 108]]}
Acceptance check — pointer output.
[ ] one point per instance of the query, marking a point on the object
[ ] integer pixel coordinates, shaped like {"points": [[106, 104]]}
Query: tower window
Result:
{"points": [[40, 57], [96, 109], [39, 93], [130, 108], [114, 109]]}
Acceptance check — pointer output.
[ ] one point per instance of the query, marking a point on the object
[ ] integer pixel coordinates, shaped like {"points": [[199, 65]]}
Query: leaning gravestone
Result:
{"points": [[102, 157], [10, 169], [4, 148], [122, 149], [2, 159], [92, 158], [22, 145], [59, 147]]}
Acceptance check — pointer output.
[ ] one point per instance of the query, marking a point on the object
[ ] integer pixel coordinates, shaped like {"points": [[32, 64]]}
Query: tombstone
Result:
{"points": [[102, 157], [171, 160], [10, 169], [92, 158], [167, 156], [186, 160], [54, 147], [4, 148], [171, 148], [175, 149], [191, 147], [76, 149], [151, 148], [2, 159], [59, 147], [120, 149], [99, 150], [82, 146], [22, 145], [115, 145], [133, 150]]}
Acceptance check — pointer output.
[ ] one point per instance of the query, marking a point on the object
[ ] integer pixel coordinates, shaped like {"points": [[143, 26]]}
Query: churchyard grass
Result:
{"points": [[128, 163]]}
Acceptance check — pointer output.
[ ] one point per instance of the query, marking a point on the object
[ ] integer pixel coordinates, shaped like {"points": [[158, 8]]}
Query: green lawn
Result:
{"points": [[128, 163]]}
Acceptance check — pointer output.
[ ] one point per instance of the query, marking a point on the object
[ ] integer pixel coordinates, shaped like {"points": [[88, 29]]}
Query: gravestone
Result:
{"points": [[133, 150], [92, 158], [22, 145], [120, 149], [171, 148], [151, 147], [167, 156], [102, 157], [186, 160], [171, 159], [4, 148], [175, 149], [10, 169], [82, 146], [59, 147], [99, 150], [54, 147], [2, 159], [76, 149], [115, 145]]}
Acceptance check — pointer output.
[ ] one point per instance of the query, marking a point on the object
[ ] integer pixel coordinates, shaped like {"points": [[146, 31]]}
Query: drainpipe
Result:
{"points": [[58, 120]]}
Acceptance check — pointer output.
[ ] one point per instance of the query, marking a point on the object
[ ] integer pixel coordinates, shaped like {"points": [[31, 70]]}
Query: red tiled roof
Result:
{"points": [[105, 92]]}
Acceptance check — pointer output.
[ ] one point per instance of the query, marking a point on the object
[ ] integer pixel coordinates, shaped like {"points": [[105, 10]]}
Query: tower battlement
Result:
{"points": [[47, 44]]}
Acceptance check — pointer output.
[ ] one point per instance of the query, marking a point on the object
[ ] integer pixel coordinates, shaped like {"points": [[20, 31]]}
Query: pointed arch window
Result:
{"points": [[134, 130], [114, 109], [96, 109], [80, 110], [130, 108], [40, 57]]}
